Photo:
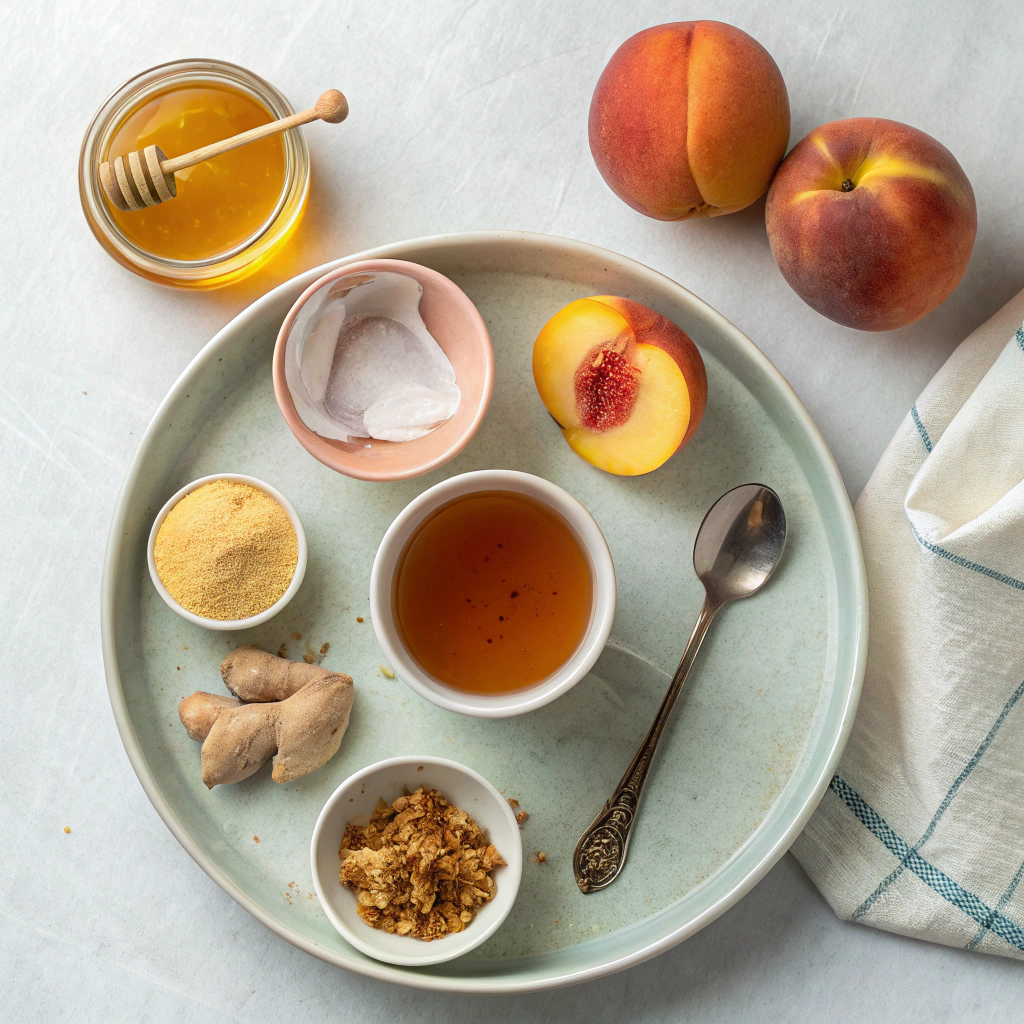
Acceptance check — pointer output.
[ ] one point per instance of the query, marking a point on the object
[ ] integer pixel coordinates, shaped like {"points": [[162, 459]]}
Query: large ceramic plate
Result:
{"points": [[755, 736]]}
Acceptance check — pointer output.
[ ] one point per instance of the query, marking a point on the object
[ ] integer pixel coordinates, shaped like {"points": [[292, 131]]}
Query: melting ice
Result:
{"points": [[360, 362]]}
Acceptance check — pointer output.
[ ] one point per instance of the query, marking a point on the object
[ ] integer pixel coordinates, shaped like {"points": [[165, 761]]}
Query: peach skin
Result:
{"points": [[689, 119], [871, 222], [627, 386]]}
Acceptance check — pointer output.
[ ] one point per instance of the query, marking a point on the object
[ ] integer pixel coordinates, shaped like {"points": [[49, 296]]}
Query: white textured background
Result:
{"points": [[464, 116]]}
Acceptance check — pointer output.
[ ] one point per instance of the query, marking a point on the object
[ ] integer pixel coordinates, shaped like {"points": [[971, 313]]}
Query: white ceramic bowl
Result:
{"points": [[386, 564], [356, 798], [253, 620]]}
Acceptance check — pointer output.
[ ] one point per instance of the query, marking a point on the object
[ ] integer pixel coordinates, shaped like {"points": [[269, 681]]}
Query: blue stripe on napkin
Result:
{"points": [[1003, 900], [938, 881], [1010, 581], [946, 800], [915, 416]]}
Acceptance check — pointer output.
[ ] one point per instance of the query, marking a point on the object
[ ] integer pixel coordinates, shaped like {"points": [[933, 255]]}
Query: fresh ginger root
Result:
{"points": [[297, 713], [254, 676]]}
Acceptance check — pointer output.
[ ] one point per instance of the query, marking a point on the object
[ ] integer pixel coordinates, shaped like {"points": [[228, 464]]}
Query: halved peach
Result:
{"points": [[627, 386]]}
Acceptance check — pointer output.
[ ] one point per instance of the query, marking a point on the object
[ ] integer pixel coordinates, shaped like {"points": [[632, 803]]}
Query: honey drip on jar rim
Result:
{"points": [[220, 202], [494, 593]]}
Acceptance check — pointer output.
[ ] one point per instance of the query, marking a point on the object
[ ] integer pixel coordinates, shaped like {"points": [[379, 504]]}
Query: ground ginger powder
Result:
{"points": [[227, 550]]}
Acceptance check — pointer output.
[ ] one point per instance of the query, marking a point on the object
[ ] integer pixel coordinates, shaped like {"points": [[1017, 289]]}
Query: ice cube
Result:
{"points": [[360, 362], [408, 414]]}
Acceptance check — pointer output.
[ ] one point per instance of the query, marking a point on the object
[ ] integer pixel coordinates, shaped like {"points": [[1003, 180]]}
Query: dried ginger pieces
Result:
{"points": [[421, 867]]}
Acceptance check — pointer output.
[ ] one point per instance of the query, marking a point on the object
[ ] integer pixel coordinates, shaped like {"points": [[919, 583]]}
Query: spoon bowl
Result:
{"points": [[740, 542]]}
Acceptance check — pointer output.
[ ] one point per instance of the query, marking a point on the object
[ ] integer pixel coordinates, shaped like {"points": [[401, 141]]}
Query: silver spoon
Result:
{"points": [[737, 548]]}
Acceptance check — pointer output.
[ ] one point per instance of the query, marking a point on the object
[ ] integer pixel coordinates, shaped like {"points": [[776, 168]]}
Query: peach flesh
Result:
{"points": [[689, 119], [871, 222], [627, 386]]}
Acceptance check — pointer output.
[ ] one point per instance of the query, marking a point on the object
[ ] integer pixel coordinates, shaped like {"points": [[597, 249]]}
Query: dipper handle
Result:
{"points": [[146, 178], [331, 107]]}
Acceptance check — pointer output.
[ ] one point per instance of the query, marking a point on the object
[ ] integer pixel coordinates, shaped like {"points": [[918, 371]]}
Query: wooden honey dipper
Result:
{"points": [[146, 177]]}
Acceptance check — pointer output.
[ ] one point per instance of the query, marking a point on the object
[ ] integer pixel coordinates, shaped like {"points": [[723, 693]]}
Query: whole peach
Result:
{"points": [[689, 120], [871, 222]]}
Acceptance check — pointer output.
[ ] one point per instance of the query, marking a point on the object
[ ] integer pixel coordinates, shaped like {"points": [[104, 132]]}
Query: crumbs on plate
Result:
{"points": [[520, 814], [422, 866]]}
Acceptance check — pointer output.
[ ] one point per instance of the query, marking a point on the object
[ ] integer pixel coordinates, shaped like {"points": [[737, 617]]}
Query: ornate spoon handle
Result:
{"points": [[601, 852]]}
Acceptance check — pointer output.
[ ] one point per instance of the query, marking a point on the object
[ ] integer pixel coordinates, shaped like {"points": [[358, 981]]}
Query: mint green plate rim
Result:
{"points": [[748, 865]]}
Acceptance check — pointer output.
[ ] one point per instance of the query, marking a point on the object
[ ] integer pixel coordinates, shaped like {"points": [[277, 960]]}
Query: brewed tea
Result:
{"points": [[494, 593]]}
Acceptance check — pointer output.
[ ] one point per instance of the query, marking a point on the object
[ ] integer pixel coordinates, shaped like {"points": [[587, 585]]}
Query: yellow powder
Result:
{"points": [[226, 551]]}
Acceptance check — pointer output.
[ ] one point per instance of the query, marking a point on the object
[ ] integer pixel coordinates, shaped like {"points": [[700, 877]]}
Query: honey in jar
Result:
{"points": [[493, 593], [220, 203]]}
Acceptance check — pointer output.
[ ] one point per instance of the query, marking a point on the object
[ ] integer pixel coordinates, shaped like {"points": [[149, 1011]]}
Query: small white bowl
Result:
{"points": [[357, 797], [253, 620], [386, 563]]}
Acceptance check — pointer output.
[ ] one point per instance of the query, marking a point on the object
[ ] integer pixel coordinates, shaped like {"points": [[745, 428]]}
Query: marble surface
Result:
{"points": [[465, 115]]}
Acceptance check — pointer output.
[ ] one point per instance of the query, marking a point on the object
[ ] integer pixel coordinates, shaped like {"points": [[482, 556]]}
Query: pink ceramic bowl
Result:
{"points": [[458, 328]]}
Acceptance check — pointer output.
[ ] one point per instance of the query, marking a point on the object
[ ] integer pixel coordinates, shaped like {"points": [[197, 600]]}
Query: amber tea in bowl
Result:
{"points": [[492, 593]]}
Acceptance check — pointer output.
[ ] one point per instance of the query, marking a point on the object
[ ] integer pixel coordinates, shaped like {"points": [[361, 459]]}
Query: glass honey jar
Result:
{"points": [[232, 212]]}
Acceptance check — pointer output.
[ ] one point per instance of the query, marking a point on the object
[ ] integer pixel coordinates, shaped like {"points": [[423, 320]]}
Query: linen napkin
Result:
{"points": [[921, 831]]}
